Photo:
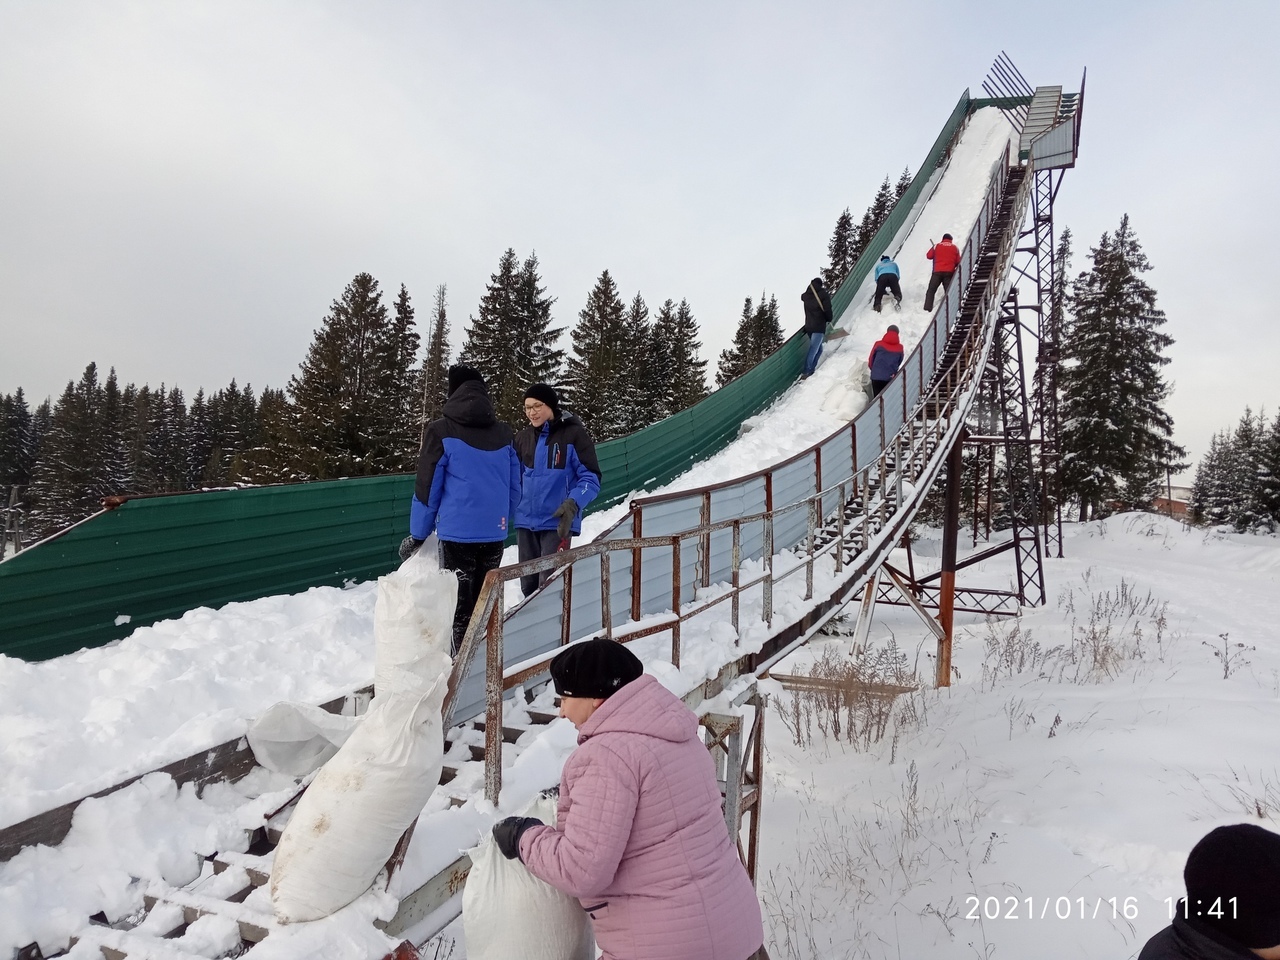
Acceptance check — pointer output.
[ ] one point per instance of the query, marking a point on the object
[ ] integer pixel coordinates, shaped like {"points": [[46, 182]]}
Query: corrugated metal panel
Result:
{"points": [[157, 557]]}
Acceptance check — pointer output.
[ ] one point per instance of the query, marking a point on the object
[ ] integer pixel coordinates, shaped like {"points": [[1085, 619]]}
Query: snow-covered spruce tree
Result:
{"points": [[1245, 495], [687, 383], [70, 478], [881, 204], [1116, 435], [842, 251], [199, 439], [511, 340], [597, 376], [17, 451], [644, 395], [661, 359], [1207, 504], [435, 367], [338, 391], [1269, 475], [268, 459]]}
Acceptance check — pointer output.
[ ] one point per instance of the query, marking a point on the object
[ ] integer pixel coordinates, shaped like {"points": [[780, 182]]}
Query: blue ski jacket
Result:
{"points": [[468, 481], [886, 357], [558, 460], [886, 266]]}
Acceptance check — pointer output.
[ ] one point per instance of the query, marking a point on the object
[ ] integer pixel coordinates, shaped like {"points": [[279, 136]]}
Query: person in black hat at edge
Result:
{"points": [[560, 475], [466, 491], [1232, 907], [640, 837]]}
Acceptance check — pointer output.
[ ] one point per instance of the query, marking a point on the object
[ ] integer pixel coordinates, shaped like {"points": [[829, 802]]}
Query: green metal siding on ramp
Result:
{"points": [[153, 558]]}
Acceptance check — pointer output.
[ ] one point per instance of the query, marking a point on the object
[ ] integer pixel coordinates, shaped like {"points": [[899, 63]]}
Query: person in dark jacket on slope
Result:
{"points": [[559, 477], [1232, 908], [887, 280], [467, 490], [886, 357], [945, 257], [817, 317]]}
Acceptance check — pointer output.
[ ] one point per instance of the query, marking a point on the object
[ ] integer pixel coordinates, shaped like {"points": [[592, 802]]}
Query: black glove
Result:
{"points": [[507, 834], [409, 546], [566, 512]]}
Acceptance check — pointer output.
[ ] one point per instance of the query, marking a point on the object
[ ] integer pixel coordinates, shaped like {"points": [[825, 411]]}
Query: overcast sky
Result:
{"points": [[186, 186]]}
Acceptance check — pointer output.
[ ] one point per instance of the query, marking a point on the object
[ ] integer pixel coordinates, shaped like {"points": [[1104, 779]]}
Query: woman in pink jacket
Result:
{"points": [[640, 839]]}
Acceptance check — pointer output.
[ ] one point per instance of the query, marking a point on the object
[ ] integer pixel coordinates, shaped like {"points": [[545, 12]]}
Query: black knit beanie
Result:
{"points": [[460, 374], [1240, 863], [594, 668], [545, 393]]}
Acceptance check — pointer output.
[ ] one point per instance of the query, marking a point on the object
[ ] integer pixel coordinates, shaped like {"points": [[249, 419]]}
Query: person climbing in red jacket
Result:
{"points": [[885, 359], [945, 257]]}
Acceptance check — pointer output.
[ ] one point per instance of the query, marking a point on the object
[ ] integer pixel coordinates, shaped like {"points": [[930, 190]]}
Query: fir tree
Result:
{"points": [[69, 479], [510, 340], [840, 252], [1116, 435], [759, 333], [268, 460], [597, 376], [881, 204], [903, 184], [435, 368], [397, 429], [340, 388], [661, 359], [644, 399], [1268, 495], [199, 440], [17, 444], [687, 383]]}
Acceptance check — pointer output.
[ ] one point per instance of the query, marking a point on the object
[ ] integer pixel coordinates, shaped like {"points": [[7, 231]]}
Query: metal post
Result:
{"points": [[606, 596], [950, 533], [493, 695], [736, 564], [813, 536], [675, 600], [636, 562]]}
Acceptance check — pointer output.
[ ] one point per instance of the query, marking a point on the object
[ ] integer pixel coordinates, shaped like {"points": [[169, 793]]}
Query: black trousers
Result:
{"points": [[877, 386], [532, 545], [887, 281], [938, 279], [470, 561]]}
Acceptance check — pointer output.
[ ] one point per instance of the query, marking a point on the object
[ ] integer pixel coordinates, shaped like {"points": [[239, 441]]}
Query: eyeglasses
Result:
{"points": [[533, 407]]}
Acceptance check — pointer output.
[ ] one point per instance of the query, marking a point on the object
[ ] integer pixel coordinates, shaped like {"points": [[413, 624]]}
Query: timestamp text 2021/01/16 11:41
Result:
{"points": [[1087, 908]]}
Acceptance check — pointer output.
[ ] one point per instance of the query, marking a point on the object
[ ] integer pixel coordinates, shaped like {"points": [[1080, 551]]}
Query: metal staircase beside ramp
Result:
{"points": [[825, 518]]}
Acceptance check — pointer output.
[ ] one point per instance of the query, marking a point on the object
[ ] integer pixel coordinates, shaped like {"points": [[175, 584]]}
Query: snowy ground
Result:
{"points": [[1078, 755]]}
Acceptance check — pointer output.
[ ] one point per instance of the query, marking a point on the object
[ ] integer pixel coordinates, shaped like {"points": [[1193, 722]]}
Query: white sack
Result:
{"points": [[507, 912], [346, 825], [295, 738], [413, 624]]}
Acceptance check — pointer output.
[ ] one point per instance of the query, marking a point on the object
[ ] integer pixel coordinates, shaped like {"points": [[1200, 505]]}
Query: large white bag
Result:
{"points": [[346, 825], [507, 912], [413, 624]]}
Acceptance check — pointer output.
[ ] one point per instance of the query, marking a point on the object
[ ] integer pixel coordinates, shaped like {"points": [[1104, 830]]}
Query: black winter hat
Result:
{"points": [[884, 256], [460, 374], [1240, 862], [545, 393], [594, 668], [946, 236], [893, 328]]}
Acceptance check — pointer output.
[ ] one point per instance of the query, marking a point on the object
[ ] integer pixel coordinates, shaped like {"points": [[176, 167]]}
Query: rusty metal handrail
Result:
{"points": [[938, 404]]}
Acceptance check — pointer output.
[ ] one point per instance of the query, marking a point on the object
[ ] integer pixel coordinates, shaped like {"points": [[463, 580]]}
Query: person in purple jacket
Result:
{"points": [[640, 838]]}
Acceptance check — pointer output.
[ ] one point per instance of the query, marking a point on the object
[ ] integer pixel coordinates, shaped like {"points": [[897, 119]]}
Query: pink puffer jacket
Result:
{"points": [[641, 840]]}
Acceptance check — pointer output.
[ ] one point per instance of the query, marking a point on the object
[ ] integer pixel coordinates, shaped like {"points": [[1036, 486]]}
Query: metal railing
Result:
{"points": [[847, 497]]}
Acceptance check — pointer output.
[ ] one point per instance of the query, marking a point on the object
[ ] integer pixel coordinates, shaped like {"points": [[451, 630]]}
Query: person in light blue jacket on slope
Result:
{"points": [[887, 279]]}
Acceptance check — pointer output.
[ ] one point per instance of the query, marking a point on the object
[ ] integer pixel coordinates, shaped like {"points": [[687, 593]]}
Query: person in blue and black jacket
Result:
{"points": [[467, 489], [560, 476]]}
